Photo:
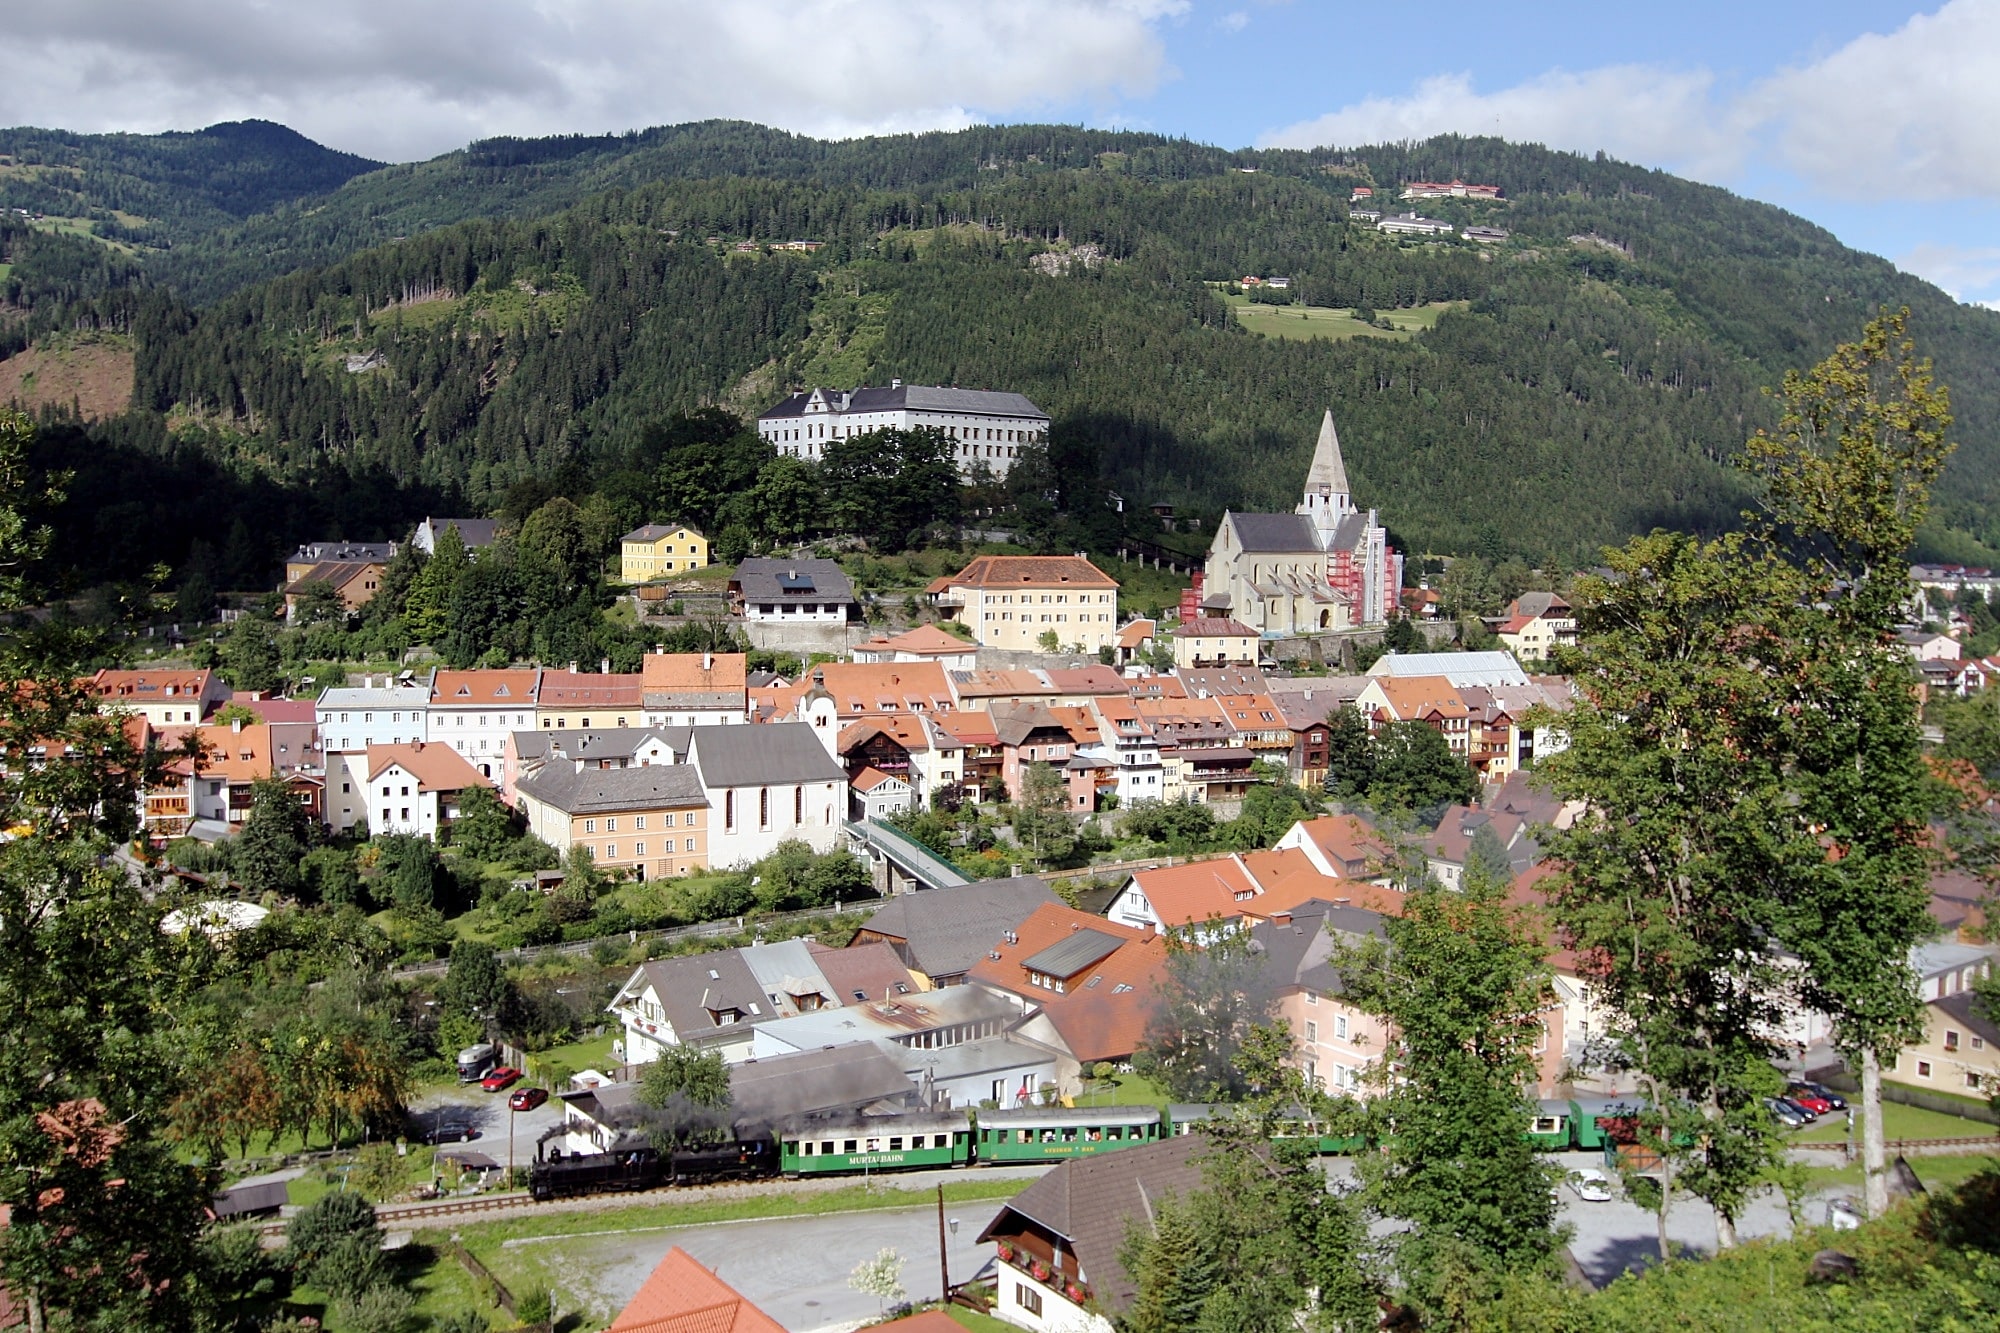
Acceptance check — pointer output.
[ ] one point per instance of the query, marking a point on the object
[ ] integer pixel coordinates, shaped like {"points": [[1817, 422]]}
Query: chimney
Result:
{"points": [[573, 669], [603, 666], [707, 660], [895, 384], [236, 724]]}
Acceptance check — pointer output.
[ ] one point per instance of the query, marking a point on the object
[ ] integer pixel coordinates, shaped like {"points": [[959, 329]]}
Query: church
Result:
{"points": [[1325, 566]]}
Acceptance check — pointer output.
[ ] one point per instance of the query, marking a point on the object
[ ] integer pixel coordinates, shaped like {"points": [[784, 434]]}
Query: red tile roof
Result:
{"points": [[684, 673], [683, 1297], [1012, 571], [435, 765], [1104, 1015], [473, 689]]}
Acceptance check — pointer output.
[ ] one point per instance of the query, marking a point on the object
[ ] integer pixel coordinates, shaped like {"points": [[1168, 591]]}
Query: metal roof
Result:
{"points": [[1067, 957]]}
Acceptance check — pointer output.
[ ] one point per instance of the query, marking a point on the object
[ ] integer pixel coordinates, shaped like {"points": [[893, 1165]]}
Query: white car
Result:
{"points": [[1591, 1185], [1841, 1215]]}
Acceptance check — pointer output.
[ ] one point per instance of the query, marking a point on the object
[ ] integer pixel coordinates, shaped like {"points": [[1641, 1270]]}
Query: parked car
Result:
{"points": [[1788, 1114], [527, 1099], [1821, 1091], [1806, 1111], [1591, 1185], [1811, 1101], [1842, 1215], [500, 1079], [451, 1131]]}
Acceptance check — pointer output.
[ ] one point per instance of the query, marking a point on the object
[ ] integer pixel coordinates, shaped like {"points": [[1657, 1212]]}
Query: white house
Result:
{"points": [[877, 795], [415, 788], [354, 717], [473, 712], [988, 430], [794, 592], [767, 785]]}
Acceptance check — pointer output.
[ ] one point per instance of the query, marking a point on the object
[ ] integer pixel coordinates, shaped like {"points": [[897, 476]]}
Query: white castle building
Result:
{"points": [[988, 428], [1324, 566]]}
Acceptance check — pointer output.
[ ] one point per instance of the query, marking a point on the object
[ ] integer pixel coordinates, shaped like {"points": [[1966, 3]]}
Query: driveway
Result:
{"points": [[487, 1113], [795, 1270]]}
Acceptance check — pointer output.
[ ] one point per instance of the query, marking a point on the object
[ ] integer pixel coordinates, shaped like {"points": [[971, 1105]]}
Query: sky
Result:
{"points": [[1880, 121]]}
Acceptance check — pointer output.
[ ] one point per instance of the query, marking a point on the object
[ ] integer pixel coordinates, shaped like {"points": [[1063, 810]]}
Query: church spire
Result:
{"points": [[1327, 499], [1329, 473]]}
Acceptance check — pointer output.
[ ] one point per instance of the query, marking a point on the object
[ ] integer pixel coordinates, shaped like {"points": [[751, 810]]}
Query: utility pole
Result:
{"points": [[944, 1260]]}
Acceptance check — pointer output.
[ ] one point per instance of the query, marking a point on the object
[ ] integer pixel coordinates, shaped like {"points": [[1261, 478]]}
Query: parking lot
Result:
{"points": [[494, 1126]]}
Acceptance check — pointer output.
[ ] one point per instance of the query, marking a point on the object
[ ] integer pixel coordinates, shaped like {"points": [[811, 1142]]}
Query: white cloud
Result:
{"points": [[1910, 112], [407, 78], [1234, 21], [1958, 269], [1630, 111]]}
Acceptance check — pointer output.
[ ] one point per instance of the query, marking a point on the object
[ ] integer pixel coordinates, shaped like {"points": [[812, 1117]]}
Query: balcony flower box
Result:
{"points": [[1073, 1292], [1038, 1271], [1006, 1253]]}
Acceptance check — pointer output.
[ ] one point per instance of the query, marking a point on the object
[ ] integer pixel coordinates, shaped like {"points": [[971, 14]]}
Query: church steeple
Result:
{"points": [[1327, 499]]}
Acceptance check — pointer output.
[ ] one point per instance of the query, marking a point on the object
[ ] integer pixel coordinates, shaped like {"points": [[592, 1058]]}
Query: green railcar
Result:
{"points": [[1553, 1127], [1596, 1121], [1055, 1133], [856, 1144]]}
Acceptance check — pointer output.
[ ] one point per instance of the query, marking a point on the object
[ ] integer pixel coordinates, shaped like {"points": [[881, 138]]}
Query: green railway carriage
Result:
{"points": [[1553, 1126], [1055, 1133], [876, 1143], [1595, 1121]]}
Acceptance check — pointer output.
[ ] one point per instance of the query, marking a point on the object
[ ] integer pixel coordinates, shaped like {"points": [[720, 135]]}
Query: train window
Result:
{"points": [[874, 1145], [849, 1147], [806, 1148], [896, 1143], [1546, 1124], [1114, 1133], [1022, 1136], [1069, 1134], [826, 1148]]}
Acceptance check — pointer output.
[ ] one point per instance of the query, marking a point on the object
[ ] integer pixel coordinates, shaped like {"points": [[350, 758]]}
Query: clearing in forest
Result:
{"points": [[1314, 321]]}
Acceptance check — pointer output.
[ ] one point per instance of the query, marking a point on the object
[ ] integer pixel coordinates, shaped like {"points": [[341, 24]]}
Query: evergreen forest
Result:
{"points": [[344, 350]]}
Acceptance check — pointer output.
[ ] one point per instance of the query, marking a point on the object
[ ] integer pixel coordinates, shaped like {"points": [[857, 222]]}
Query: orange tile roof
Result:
{"points": [[683, 673], [871, 778], [861, 688], [924, 639], [1346, 838], [1091, 680], [1013, 571], [435, 765], [1214, 627], [1188, 895], [906, 729], [992, 684], [973, 728], [472, 689], [1135, 634], [1101, 1020], [1415, 696], [238, 756], [1289, 879], [150, 686], [683, 1297]]}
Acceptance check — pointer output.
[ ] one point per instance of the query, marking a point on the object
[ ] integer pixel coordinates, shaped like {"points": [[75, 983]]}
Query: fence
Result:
{"points": [[483, 1277]]}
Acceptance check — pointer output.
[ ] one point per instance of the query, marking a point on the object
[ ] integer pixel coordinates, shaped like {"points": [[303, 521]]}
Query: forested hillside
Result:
{"points": [[547, 300]]}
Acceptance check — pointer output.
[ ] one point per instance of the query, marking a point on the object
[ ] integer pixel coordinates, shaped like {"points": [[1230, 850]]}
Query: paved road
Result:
{"points": [[795, 1270]]}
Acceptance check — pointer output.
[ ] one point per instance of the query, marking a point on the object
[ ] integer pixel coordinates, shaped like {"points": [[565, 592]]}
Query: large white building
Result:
{"points": [[1325, 566], [987, 428], [474, 711]]}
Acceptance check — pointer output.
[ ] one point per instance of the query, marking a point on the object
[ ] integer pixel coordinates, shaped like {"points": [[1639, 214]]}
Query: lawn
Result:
{"points": [[594, 1053], [1936, 1173], [1312, 321], [974, 1322], [1127, 1090], [1898, 1122]]}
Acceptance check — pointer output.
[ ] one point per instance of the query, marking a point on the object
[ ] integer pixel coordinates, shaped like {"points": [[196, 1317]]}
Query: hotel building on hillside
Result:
{"points": [[988, 429]]}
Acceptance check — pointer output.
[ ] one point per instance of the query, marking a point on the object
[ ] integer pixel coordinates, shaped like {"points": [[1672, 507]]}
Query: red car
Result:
{"points": [[527, 1099], [503, 1077], [1811, 1101]]}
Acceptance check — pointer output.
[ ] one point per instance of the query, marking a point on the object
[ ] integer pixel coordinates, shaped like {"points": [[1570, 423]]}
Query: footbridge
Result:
{"points": [[900, 863]]}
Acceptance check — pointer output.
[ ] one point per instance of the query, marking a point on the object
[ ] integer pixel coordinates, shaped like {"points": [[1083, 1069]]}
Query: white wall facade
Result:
{"points": [[684, 715], [746, 824], [1040, 1306], [980, 440], [479, 733], [352, 719], [1019, 616], [397, 803]]}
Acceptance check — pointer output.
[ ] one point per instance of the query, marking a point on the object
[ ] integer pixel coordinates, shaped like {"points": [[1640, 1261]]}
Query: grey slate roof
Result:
{"points": [[1297, 953], [764, 755], [598, 742], [1090, 1203], [784, 1089], [1964, 1008], [688, 992], [1069, 956], [1274, 532], [474, 532], [916, 398], [321, 552], [586, 791], [943, 932], [764, 579]]}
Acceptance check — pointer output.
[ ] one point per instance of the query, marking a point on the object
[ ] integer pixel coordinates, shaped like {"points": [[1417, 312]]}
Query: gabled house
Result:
{"points": [[1011, 601], [649, 822], [476, 533], [355, 581], [925, 643], [1535, 625], [873, 794], [473, 711], [658, 550], [1057, 1243], [415, 788], [165, 698], [767, 785], [791, 592], [1209, 641], [680, 1296], [1340, 847], [940, 933], [578, 700], [1094, 982], [1336, 1042]]}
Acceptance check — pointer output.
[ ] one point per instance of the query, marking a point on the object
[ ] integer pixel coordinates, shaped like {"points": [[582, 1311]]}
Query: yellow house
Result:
{"points": [[657, 550]]}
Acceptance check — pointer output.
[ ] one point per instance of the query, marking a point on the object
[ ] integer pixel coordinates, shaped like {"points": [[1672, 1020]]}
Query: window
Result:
{"points": [[1340, 1027], [611, 825], [1923, 1069], [1950, 1040], [1312, 1033], [590, 826], [1972, 1080], [638, 849], [689, 846], [798, 805], [610, 851], [690, 818], [728, 810], [1028, 1299], [763, 807]]}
